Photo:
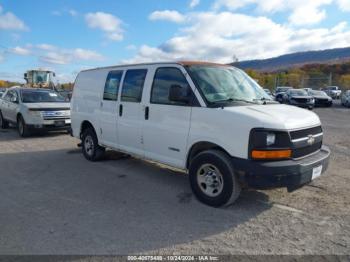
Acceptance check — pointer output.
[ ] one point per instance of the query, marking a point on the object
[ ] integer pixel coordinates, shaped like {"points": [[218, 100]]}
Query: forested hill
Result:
{"points": [[337, 55]]}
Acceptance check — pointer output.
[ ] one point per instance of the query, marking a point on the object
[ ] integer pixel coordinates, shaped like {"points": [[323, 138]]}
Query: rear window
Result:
{"points": [[112, 85], [133, 85]]}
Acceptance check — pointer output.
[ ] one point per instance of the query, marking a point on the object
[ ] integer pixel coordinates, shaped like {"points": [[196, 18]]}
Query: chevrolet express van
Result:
{"points": [[210, 120]]}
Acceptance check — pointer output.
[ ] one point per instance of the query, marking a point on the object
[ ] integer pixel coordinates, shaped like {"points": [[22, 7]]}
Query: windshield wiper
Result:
{"points": [[265, 100], [230, 100]]}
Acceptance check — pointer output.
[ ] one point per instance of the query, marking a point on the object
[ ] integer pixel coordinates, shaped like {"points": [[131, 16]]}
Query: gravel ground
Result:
{"points": [[53, 201]]}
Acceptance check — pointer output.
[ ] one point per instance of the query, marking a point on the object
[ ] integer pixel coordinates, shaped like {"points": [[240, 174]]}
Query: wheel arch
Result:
{"points": [[199, 147], [85, 125]]}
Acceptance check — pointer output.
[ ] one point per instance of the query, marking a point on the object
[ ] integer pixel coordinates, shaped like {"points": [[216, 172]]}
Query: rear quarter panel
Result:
{"points": [[86, 99]]}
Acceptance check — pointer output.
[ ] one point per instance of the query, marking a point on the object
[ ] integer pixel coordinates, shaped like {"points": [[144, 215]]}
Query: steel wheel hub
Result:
{"points": [[89, 145], [210, 180]]}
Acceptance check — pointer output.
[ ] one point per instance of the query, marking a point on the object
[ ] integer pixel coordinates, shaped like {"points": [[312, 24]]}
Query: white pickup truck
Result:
{"points": [[32, 109], [210, 120]]}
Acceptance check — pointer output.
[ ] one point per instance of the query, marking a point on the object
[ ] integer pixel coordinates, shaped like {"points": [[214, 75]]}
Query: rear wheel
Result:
{"points": [[3, 123], [213, 180], [91, 149], [22, 127]]}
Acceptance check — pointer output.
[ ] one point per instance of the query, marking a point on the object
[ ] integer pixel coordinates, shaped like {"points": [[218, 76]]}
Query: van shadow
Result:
{"points": [[58, 203]]}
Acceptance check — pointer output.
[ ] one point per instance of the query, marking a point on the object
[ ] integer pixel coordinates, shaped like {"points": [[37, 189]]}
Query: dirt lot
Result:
{"points": [[53, 201]]}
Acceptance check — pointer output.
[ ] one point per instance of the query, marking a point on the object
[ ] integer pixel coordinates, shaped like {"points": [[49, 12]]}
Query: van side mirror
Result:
{"points": [[176, 94]]}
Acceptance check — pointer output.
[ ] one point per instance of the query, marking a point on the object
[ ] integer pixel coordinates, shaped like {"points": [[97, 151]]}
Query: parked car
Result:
{"points": [[333, 91], [280, 91], [299, 97], [268, 92], [209, 120], [31, 109], [345, 99], [321, 98]]}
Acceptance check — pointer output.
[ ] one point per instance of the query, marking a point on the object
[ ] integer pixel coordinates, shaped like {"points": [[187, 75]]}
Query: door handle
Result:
{"points": [[146, 112], [120, 110]]}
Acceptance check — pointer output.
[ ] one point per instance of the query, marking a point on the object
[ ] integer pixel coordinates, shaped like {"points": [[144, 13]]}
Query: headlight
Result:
{"points": [[35, 113], [269, 144], [270, 139]]}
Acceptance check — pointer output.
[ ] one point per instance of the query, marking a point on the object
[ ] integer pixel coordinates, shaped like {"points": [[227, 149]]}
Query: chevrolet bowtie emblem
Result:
{"points": [[310, 140]]}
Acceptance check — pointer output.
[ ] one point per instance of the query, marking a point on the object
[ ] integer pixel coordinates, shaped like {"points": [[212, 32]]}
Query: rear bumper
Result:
{"points": [[291, 174]]}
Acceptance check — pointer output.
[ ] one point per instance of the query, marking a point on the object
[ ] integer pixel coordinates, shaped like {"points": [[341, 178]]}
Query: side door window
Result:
{"points": [[108, 110], [112, 85], [133, 85], [130, 111], [164, 78], [8, 96]]}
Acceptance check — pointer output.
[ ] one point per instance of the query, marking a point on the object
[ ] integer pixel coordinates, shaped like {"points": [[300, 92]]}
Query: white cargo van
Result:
{"points": [[210, 120]]}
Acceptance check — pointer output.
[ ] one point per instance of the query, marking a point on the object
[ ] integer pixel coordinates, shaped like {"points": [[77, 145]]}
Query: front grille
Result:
{"points": [[321, 101], [304, 151], [300, 100], [305, 132], [55, 115]]}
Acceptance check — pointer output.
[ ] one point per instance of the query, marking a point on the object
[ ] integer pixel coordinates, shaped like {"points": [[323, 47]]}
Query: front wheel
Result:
{"points": [[22, 127], [91, 149], [213, 180]]}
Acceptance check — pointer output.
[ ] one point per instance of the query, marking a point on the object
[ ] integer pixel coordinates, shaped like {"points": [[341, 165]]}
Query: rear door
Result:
{"points": [[8, 106], [13, 106], [5, 104], [109, 109], [166, 124], [130, 111]]}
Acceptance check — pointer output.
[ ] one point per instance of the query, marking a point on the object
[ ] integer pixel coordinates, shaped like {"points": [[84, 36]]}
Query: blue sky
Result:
{"points": [[68, 36]]}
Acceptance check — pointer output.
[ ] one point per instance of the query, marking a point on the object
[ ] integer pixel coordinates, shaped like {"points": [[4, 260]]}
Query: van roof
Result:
{"points": [[183, 63]]}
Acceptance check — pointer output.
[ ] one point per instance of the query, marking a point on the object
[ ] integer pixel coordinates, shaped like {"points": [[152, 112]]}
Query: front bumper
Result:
{"points": [[291, 174], [301, 104], [59, 124]]}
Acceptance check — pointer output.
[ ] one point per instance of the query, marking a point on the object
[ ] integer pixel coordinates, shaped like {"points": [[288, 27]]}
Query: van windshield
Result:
{"points": [[225, 84]]}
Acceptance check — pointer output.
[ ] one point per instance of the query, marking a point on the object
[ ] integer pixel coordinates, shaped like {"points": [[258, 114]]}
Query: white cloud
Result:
{"points": [[344, 5], [56, 13], [20, 51], [167, 15], [8, 21], [46, 47], [2, 57], [206, 36], [131, 47], [72, 12], [111, 25], [194, 3], [301, 12], [67, 56], [55, 55]]}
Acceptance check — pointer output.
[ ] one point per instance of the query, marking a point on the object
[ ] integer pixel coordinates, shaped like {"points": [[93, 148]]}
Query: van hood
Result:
{"points": [[277, 116], [51, 105]]}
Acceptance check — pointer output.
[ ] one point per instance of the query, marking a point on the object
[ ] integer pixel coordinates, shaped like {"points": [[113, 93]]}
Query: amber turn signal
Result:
{"points": [[271, 154]]}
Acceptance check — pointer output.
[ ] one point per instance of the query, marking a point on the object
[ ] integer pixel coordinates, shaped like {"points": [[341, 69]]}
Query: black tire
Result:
{"points": [[3, 123], [22, 127], [91, 149], [221, 162]]}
